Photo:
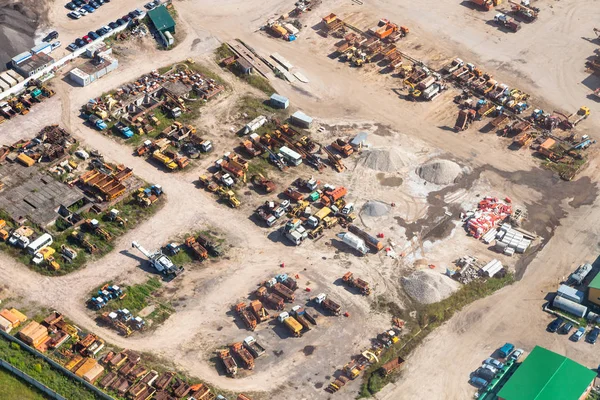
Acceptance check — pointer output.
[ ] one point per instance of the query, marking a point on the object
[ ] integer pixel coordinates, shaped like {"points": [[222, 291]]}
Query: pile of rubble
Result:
{"points": [[490, 212]]}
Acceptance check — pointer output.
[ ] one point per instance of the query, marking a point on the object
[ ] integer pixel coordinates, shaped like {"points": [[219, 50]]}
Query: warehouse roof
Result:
{"points": [[545, 375], [161, 18], [595, 283]]}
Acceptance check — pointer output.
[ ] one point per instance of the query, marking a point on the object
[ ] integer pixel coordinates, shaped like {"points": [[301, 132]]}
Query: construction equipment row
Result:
{"points": [[246, 351]]}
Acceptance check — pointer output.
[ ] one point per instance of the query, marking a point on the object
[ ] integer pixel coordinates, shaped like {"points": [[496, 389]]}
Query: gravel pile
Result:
{"points": [[426, 286], [383, 160], [440, 172], [375, 209]]}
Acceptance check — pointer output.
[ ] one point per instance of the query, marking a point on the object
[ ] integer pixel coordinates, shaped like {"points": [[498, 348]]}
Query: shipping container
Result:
{"points": [[22, 317], [15, 75], [87, 365], [25, 160], [8, 79], [13, 319], [5, 325]]}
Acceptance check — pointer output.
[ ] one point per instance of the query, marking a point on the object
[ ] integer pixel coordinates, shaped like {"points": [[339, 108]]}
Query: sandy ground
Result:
{"points": [[335, 94]]}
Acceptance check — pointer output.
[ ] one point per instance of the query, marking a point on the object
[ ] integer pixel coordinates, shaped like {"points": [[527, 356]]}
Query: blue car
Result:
{"points": [[592, 337], [80, 42], [94, 4], [93, 35], [478, 382], [88, 8]]}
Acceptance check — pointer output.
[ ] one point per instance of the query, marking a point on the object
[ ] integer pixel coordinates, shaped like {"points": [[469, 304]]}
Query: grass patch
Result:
{"points": [[259, 83], [253, 107], [139, 297], [223, 51], [429, 318], [566, 171], [13, 388], [40, 370]]}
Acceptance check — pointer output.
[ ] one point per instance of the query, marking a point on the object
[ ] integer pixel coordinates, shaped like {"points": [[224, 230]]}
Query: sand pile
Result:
{"points": [[375, 209], [426, 286], [440, 172], [383, 160]]}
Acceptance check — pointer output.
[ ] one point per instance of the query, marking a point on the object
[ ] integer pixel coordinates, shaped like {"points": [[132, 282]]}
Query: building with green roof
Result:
{"points": [[594, 290], [545, 375], [162, 20]]}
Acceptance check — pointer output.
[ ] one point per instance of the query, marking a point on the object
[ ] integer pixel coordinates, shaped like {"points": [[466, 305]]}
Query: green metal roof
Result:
{"points": [[545, 375], [595, 283], [161, 18]]}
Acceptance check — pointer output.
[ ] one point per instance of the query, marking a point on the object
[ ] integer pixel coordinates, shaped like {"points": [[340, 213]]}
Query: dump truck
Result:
{"points": [[298, 312], [212, 247], [324, 301], [464, 119], [266, 185], [371, 241], [254, 347], [507, 22], [291, 323], [246, 315], [485, 5], [271, 299], [523, 139], [228, 361], [250, 149], [244, 355], [331, 196], [343, 147], [358, 283], [259, 311], [97, 122], [293, 194], [198, 250], [284, 292], [163, 159]]}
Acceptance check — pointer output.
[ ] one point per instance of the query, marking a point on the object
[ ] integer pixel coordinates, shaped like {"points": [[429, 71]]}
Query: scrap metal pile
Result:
{"points": [[51, 144], [489, 214], [21, 103]]}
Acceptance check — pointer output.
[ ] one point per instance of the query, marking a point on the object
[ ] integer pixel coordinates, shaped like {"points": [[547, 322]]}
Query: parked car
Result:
{"points": [[490, 367], [71, 6], [150, 6], [74, 15], [89, 8], [566, 328], [51, 36], [78, 3], [107, 28], [578, 334], [592, 336], [120, 22], [132, 14], [126, 18], [94, 4], [87, 39], [493, 362], [93, 35], [138, 12], [485, 373], [554, 325], [72, 47], [55, 45], [80, 42], [82, 11], [506, 349], [515, 355], [478, 382], [113, 25]]}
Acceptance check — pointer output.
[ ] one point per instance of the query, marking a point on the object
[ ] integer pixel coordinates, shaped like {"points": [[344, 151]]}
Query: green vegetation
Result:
{"points": [[13, 388], [259, 83], [259, 165], [430, 317], [566, 170], [139, 297], [222, 52], [254, 106], [40, 370]]}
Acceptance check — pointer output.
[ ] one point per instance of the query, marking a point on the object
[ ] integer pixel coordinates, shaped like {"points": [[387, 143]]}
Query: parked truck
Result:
{"points": [[164, 160], [358, 283], [259, 311], [371, 241], [291, 323], [270, 299], [324, 301], [246, 316], [228, 361], [97, 122], [299, 313], [199, 251], [284, 292], [254, 347], [244, 355]]}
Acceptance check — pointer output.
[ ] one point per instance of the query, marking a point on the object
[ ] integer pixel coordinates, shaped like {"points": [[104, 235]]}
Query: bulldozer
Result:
{"points": [[79, 237], [228, 196], [113, 216]]}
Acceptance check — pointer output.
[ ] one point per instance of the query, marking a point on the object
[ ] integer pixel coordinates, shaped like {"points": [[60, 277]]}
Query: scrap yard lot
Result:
{"points": [[314, 200]]}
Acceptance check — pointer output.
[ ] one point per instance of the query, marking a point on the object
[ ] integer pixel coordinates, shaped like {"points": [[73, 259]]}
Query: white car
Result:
{"points": [[82, 154], [516, 354], [348, 208], [55, 45], [107, 28], [227, 180], [490, 367], [82, 11], [37, 259], [74, 15], [493, 362]]}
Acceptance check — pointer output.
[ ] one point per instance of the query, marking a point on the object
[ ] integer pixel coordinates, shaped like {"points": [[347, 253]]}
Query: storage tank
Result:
{"points": [[354, 241], [569, 306]]}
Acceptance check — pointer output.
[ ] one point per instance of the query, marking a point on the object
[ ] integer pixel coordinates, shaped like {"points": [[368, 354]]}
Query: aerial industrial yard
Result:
{"points": [[315, 199]]}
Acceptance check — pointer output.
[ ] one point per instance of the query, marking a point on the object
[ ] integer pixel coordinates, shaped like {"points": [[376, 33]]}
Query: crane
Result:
{"points": [[159, 261]]}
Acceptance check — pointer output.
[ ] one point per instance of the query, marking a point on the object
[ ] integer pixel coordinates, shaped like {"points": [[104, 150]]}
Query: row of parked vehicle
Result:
{"points": [[491, 366], [81, 8], [93, 35], [564, 328]]}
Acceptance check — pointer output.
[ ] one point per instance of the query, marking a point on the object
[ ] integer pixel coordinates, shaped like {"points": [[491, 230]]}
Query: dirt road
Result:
{"points": [[337, 92]]}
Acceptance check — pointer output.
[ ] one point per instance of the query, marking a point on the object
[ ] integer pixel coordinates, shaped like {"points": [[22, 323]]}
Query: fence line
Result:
{"points": [[57, 366], [33, 382]]}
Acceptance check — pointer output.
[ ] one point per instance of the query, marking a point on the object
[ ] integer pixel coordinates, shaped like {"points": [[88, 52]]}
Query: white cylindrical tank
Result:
{"points": [[354, 241], [569, 306]]}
